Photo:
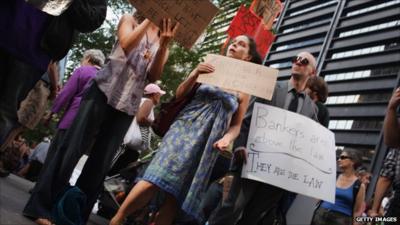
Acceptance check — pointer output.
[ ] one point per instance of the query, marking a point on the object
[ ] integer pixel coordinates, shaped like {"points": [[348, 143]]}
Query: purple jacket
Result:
{"points": [[71, 95]]}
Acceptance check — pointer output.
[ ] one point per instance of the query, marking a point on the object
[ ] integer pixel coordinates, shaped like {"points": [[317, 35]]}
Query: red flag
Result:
{"points": [[247, 23]]}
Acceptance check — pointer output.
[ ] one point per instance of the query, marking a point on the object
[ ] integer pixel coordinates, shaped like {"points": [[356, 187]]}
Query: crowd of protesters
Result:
{"points": [[105, 102]]}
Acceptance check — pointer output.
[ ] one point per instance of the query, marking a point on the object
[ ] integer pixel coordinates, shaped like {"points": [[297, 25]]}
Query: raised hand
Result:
{"points": [[167, 32], [204, 68]]}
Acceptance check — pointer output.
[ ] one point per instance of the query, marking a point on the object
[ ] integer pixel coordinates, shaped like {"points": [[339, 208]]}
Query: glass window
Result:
{"points": [[300, 44], [371, 8], [298, 12], [315, 23], [355, 124], [369, 28], [281, 65], [363, 51], [360, 98]]}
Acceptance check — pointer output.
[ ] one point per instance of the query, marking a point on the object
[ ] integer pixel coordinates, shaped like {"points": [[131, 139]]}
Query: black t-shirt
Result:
{"points": [[323, 114]]}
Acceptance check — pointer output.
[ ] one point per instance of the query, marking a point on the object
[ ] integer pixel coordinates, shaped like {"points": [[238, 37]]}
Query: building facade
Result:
{"points": [[357, 47]]}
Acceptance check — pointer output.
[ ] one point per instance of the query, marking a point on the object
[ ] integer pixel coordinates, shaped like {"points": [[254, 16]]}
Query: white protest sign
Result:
{"points": [[291, 151], [193, 16], [239, 75]]}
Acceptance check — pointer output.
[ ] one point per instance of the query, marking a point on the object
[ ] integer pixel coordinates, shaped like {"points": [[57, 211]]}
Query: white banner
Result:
{"points": [[291, 151]]}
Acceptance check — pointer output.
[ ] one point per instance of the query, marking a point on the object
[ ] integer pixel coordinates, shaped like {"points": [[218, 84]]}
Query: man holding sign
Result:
{"points": [[251, 198]]}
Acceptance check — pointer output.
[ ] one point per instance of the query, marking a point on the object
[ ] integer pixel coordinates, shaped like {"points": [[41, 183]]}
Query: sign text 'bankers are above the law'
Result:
{"points": [[238, 75], [193, 16], [291, 151]]}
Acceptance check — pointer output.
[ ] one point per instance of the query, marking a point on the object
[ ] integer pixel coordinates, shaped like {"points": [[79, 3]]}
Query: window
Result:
{"points": [[363, 51], [370, 28], [355, 124], [340, 124], [298, 12], [318, 22], [281, 65], [362, 73], [300, 44], [371, 8], [360, 98]]}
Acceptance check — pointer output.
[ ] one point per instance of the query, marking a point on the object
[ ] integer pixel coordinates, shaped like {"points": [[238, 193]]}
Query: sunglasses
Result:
{"points": [[343, 157], [298, 59]]}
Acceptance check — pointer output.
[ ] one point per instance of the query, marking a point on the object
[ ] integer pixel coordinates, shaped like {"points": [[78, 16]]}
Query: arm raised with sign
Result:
{"points": [[130, 33], [188, 84]]}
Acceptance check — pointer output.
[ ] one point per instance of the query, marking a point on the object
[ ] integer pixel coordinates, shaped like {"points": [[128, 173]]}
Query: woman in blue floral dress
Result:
{"points": [[184, 162]]}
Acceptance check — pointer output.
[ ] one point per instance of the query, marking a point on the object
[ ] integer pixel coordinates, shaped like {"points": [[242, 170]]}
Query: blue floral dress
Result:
{"points": [[185, 160]]}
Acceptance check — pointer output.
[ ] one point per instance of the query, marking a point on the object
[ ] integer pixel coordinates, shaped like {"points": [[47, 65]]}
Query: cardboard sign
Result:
{"points": [[291, 151], [239, 75], [52, 7], [193, 16]]}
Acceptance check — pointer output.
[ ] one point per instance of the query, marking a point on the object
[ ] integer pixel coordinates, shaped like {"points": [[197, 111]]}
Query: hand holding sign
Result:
{"points": [[204, 68], [167, 32]]}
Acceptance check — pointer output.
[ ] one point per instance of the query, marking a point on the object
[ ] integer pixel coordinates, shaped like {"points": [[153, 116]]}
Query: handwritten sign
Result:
{"points": [[292, 152], [239, 75], [193, 16]]}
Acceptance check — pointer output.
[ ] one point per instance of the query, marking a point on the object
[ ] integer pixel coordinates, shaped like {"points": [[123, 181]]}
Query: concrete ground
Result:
{"points": [[14, 193]]}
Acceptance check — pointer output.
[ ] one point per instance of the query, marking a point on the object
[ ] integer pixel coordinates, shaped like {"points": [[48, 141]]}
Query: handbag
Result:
{"points": [[133, 138], [170, 110]]}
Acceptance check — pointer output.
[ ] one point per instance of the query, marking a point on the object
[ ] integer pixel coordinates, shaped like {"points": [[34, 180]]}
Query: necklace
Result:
{"points": [[147, 53]]}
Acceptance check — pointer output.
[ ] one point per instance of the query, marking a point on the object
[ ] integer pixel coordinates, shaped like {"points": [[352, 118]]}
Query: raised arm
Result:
{"points": [[391, 124], [130, 32], [167, 33], [188, 84]]}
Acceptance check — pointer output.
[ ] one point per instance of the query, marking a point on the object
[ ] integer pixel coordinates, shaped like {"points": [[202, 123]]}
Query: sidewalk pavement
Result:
{"points": [[14, 193]]}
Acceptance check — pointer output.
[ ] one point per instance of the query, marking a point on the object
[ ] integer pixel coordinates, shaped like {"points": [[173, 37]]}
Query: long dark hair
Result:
{"points": [[255, 56]]}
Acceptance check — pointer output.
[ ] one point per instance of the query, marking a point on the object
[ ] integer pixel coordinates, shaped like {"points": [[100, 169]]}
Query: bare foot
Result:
{"points": [[42, 221]]}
